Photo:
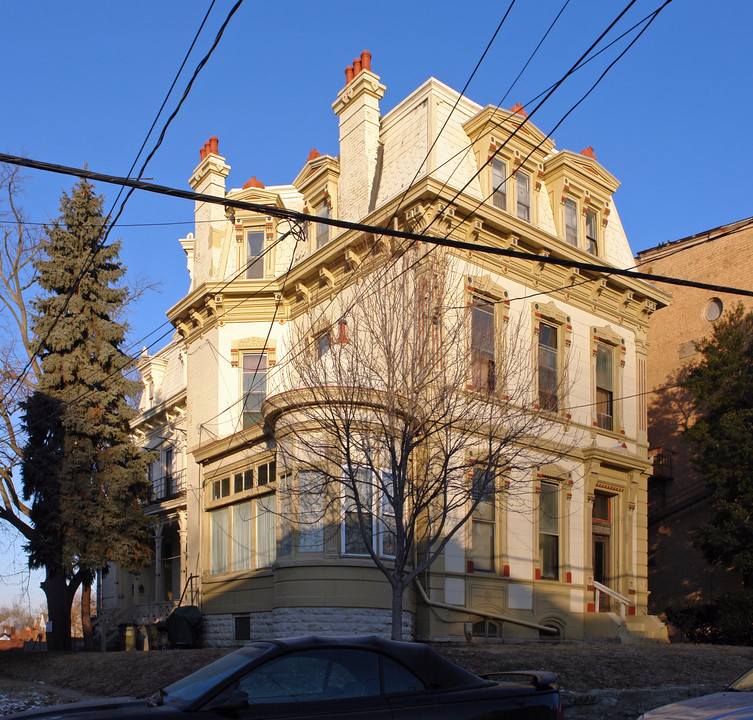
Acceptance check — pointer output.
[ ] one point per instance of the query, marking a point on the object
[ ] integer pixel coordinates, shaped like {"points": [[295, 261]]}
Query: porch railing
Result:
{"points": [[169, 486], [621, 599]]}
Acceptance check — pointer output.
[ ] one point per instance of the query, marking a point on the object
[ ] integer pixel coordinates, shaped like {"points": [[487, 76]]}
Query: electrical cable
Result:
{"points": [[108, 229], [296, 216]]}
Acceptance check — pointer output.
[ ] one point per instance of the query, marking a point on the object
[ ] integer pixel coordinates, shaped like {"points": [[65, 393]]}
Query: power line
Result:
{"points": [[108, 228], [301, 217]]}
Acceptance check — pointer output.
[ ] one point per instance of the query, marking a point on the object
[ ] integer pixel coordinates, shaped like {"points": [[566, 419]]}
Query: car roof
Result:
{"points": [[428, 665]]}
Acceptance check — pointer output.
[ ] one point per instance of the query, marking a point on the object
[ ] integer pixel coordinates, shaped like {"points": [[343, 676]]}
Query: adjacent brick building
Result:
{"points": [[678, 499]]}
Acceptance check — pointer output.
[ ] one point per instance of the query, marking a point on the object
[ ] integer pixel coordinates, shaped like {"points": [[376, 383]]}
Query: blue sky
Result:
{"points": [[82, 82]]}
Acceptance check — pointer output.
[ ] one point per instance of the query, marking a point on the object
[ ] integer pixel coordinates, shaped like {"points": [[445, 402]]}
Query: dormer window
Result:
{"points": [[523, 193], [254, 257], [499, 183], [571, 222], [592, 245], [322, 230]]}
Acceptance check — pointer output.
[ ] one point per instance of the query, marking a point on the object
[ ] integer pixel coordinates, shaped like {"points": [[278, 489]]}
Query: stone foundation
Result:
{"points": [[219, 630]]}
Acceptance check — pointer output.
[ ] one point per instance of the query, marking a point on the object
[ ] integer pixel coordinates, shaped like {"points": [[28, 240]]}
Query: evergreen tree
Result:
{"points": [[81, 471], [722, 439]]}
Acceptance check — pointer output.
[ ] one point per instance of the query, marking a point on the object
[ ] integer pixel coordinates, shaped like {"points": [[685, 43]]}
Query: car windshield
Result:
{"points": [[744, 682], [196, 684]]}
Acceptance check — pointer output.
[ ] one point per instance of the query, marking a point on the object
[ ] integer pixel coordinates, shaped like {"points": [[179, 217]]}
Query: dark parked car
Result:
{"points": [[734, 703], [363, 678]]}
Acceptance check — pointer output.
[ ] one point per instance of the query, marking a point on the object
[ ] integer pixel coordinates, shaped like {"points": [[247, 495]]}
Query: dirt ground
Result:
{"points": [[597, 680]]}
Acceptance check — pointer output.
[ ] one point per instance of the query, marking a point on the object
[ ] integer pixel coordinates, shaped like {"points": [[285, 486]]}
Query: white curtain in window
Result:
{"points": [[266, 539], [219, 538], [242, 536]]}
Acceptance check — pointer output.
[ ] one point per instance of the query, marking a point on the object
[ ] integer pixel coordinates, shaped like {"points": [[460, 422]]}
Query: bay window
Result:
{"points": [[375, 527]]}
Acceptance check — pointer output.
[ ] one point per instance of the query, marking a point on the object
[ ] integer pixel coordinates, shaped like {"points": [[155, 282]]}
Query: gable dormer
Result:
{"points": [[510, 153], [581, 192], [318, 183]]}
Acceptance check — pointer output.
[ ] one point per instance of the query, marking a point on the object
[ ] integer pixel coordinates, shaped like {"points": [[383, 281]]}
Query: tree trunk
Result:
{"points": [[397, 611], [86, 616], [59, 601]]}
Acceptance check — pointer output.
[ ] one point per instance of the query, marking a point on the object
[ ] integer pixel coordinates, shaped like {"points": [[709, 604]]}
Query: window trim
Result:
{"points": [[257, 270], [222, 520], [607, 338], [489, 498], [551, 316], [556, 484]]}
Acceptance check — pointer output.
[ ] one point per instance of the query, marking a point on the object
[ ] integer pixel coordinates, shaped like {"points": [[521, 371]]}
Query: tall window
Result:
{"points": [[549, 531], [376, 525], [571, 222], [605, 387], [243, 535], [310, 511], [482, 523], [591, 244], [548, 367], [254, 387], [523, 193], [482, 345], [499, 183], [242, 538], [254, 258], [266, 528], [169, 485], [219, 535], [322, 230]]}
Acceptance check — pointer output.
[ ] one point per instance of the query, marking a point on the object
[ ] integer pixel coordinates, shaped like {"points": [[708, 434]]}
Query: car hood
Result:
{"points": [[106, 707], [727, 705]]}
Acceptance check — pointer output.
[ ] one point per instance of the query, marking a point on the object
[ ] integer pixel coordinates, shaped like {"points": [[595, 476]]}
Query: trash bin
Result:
{"points": [[184, 627]]}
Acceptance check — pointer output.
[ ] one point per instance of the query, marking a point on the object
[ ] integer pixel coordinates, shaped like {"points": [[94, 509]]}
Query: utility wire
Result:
{"points": [[301, 217], [109, 227]]}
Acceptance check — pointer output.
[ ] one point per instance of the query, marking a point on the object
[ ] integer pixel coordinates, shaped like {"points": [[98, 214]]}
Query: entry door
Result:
{"points": [[601, 567]]}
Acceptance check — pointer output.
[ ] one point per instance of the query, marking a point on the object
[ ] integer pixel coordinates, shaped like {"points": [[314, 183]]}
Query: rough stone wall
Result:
{"points": [[219, 630]]}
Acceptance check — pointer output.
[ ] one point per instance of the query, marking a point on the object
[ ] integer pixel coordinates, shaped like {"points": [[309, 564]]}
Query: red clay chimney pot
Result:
{"points": [[356, 66], [589, 152], [253, 183], [314, 154], [213, 144], [348, 74], [518, 110], [366, 60]]}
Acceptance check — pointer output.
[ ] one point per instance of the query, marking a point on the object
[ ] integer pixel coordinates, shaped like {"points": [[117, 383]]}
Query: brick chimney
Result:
{"points": [[209, 178], [357, 106]]}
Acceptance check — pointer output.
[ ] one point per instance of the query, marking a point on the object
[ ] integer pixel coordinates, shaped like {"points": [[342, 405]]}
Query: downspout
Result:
{"points": [[481, 613]]}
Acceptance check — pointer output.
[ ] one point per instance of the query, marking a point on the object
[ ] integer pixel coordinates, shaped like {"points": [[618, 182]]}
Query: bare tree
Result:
{"points": [[410, 409], [21, 246]]}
